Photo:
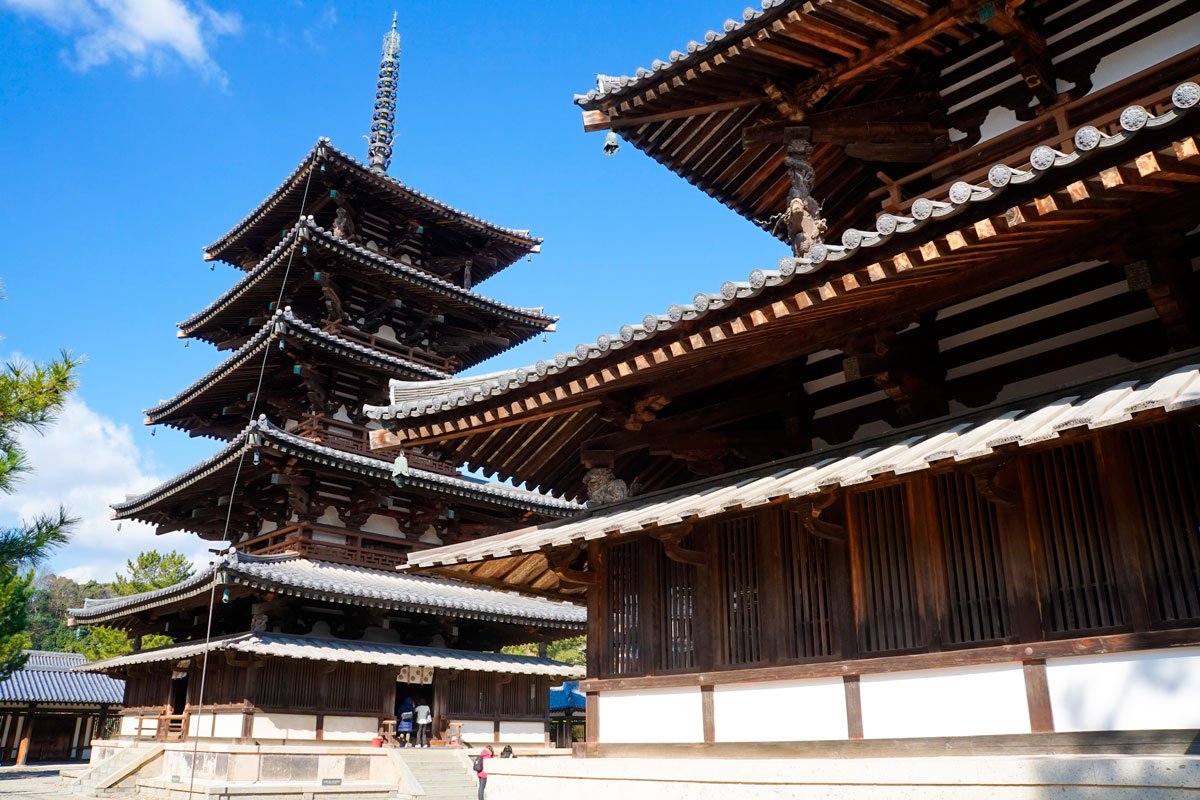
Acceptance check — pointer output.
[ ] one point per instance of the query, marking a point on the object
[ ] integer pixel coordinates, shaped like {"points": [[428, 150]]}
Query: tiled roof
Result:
{"points": [[968, 437], [567, 696], [261, 433], [284, 323], [290, 574], [349, 652], [415, 399], [324, 149], [307, 230], [47, 678], [610, 86]]}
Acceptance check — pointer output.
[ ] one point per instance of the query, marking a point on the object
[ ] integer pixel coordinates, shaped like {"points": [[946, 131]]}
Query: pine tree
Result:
{"points": [[30, 395]]}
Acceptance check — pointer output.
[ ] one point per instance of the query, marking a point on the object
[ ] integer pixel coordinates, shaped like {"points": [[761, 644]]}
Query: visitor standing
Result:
{"points": [[481, 768], [404, 722], [424, 720]]}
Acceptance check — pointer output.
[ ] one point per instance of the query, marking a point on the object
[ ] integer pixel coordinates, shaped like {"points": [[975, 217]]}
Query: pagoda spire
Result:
{"points": [[383, 119]]}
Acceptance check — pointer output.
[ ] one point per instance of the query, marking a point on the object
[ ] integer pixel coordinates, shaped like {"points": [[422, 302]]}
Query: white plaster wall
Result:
{"points": [[221, 726], [966, 701], [477, 730], [1127, 691], [1134, 58], [664, 715], [527, 732], [284, 726], [330, 517], [383, 525], [129, 726], [347, 728], [789, 711]]}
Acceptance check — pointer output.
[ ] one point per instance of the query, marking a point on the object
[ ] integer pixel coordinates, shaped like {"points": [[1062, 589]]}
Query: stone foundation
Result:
{"points": [[926, 778]]}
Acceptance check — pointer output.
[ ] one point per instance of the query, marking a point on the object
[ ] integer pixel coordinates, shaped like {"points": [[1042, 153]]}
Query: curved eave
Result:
{"points": [[313, 234], [261, 434], [431, 402], [418, 203], [305, 578], [284, 324]]}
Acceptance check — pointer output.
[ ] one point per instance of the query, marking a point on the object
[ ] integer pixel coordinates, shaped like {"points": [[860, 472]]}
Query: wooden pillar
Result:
{"points": [[1018, 550], [1128, 535], [4, 735], [708, 710], [591, 722], [927, 549], [776, 627], [854, 721], [598, 604], [73, 752], [649, 606], [704, 623], [25, 732], [1037, 694]]}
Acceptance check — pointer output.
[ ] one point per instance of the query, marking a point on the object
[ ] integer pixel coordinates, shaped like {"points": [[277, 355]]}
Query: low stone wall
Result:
{"points": [[928, 778], [222, 769]]}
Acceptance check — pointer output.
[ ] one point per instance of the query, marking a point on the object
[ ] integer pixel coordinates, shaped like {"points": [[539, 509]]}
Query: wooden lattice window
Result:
{"points": [[1165, 462], [976, 603], [889, 617], [1074, 541], [624, 618], [806, 581], [677, 605], [738, 546], [471, 693]]}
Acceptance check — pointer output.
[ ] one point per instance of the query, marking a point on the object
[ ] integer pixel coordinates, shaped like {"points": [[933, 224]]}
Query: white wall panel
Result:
{"points": [[350, 729], [967, 701], [284, 726], [663, 715], [1126, 691], [788, 711], [526, 732]]}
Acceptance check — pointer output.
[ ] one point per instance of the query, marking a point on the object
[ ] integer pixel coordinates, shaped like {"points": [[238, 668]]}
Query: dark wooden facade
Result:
{"points": [[170, 694], [1078, 547]]}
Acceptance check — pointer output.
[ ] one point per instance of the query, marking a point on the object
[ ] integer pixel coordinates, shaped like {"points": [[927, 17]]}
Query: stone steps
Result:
{"points": [[443, 774]]}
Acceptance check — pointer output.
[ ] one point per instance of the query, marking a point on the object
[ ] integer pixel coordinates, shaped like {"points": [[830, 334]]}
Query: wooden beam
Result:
{"points": [[814, 90], [602, 121]]}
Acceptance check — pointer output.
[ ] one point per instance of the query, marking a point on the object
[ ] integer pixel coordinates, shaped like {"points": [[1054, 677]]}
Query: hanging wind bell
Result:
{"points": [[611, 143], [383, 120]]}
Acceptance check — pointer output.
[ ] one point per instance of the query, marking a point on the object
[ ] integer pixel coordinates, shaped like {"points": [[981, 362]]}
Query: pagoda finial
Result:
{"points": [[383, 119]]}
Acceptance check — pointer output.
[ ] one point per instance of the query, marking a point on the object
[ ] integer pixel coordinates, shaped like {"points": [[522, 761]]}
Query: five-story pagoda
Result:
{"points": [[303, 631]]}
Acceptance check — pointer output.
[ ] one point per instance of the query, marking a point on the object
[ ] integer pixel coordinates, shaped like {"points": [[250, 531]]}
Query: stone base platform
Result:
{"points": [[1064, 777]]}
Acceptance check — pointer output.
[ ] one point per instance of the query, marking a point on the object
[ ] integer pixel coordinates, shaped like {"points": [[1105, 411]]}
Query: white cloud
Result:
{"points": [[140, 33], [86, 461]]}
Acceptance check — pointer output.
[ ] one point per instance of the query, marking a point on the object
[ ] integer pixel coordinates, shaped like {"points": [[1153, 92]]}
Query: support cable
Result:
{"points": [[212, 592]]}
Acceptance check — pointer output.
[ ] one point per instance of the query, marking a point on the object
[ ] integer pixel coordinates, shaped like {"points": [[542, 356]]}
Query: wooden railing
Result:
{"points": [[353, 438], [167, 727], [391, 347], [361, 549]]}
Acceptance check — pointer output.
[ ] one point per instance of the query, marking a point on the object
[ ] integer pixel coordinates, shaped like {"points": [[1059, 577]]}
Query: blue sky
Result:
{"points": [[137, 131]]}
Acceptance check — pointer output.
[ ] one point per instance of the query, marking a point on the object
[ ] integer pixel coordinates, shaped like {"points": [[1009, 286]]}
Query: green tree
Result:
{"points": [[53, 596], [31, 394], [152, 570], [572, 650]]}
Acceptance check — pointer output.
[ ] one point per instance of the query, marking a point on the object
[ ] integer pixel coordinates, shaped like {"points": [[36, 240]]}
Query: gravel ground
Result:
{"points": [[38, 780]]}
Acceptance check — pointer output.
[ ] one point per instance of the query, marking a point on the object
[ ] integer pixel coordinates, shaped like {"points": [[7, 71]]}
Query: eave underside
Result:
{"points": [[380, 202], [535, 434], [696, 111]]}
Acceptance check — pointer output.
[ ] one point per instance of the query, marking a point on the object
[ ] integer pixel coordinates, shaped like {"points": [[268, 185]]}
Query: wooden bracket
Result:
{"points": [[994, 492], [810, 517], [672, 542], [560, 562]]}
